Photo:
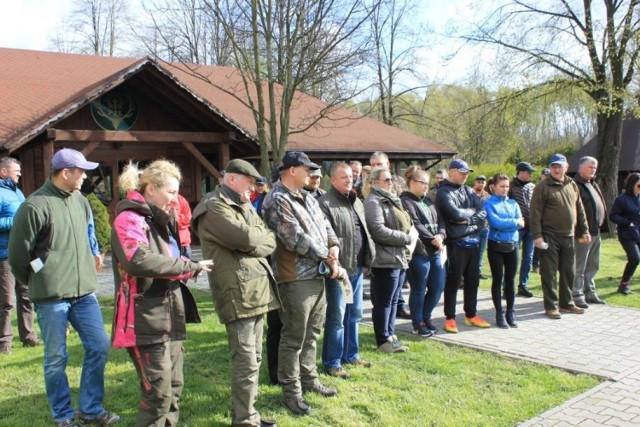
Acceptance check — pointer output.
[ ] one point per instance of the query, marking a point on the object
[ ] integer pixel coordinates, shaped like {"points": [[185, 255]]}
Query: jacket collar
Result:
{"points": [[7, 183]]}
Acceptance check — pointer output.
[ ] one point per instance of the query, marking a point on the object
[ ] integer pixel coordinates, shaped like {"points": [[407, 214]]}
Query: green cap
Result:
{"points": [[242, 167]]}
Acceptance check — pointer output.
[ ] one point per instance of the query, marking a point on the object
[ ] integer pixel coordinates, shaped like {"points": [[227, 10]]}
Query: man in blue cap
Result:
{"points": [[465, 219], [521, 190], [556, 214], [59, 269]]}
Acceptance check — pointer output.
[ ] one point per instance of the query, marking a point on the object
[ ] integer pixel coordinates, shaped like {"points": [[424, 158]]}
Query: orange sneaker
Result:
{"points": [[476, 321], [450, 326]]}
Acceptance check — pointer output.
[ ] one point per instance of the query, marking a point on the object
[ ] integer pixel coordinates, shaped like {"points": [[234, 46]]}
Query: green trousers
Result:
{"points": [[159, 368], [558, 258], [245, 344], [303, 314]]}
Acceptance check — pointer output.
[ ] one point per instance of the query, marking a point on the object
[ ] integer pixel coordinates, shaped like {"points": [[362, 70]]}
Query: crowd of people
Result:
{"points": [[296, 255]]}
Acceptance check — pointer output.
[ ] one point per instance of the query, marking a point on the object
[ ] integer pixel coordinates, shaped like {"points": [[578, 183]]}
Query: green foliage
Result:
{"points": [[101, 221]]}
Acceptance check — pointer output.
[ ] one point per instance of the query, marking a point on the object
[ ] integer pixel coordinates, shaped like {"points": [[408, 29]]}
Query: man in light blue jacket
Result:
{"points": [[11, 290]]}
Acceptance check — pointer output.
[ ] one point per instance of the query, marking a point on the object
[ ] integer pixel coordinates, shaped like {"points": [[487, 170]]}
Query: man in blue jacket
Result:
{"points": [[10, 199]]}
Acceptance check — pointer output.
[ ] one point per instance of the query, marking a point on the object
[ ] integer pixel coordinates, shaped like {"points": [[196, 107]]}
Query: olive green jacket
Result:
{"points": [[233, 235]]}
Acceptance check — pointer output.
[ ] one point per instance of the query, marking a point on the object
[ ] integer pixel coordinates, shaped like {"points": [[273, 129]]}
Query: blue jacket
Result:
{"points": [[626, 214], [10, 200], [503, 215]]}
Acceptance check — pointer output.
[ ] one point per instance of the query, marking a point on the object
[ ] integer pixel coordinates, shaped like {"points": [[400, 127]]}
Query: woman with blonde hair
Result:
{"points": [[150, 316], [389, 225]]}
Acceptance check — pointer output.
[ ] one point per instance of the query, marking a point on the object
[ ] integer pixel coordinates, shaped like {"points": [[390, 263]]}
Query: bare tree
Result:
{"points": [[592, 45], [284, 47], [94, 27], [395, 42]]}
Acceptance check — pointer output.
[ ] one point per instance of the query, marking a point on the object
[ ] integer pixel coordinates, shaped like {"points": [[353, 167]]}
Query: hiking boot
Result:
{"points": [[476, 321], [594, 300], [524, 292], [297, 405], [430, 326], [321, 390], [268, 423], [106, 419], [338, 372], [571, 308], [67, 423], [511, 318], [5, 349], [360, 362], [581, 304], [623, 288], [388, 348], [403, 314], [501, 322], [450, 326], [552, 314], [32, 343], [422, 330]]}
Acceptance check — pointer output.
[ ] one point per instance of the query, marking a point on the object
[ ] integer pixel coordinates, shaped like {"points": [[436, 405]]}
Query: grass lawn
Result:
{"points": [[432, 384]]}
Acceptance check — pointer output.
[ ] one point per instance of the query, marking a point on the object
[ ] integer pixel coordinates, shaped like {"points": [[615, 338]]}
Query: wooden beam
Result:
{"points": [[202, 159], [90, 147], [64, 135], [47, 156], [224, 155]]}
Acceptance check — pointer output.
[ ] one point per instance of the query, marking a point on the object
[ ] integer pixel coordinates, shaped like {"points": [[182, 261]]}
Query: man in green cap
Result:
{"points": [[242, 283]]}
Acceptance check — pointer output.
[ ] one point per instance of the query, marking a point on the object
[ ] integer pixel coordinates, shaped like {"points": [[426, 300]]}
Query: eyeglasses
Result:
{"points": [[421, 182], [387, 180]]}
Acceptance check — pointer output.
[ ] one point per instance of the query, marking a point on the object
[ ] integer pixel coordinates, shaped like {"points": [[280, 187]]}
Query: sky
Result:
{"points": [[30, 24]]}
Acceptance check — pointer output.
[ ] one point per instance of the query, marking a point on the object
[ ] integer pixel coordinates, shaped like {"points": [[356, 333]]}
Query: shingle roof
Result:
{"points": [[42, 88]]}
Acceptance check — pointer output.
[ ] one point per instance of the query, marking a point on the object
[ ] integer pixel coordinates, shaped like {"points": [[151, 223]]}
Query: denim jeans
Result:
{"points": [[386, 287], [86, 318], [425, 273], [341, 343], [526, 241], [484, 236]]}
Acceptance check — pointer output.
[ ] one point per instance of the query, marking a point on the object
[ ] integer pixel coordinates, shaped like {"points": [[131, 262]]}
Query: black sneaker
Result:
{"points": [[524, 292], [430, 326], [106, 419], [624, 290], [422, 330], [297, 405]]}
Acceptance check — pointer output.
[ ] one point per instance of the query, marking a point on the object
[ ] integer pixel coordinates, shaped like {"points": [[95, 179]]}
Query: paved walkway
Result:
{"points": [[605, 341]]}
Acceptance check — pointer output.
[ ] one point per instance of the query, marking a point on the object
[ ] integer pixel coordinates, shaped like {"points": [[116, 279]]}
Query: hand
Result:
{"points": [[99, 261], [334, 251], [521, 222], [206, 264], [539, 243], [586, 238]]}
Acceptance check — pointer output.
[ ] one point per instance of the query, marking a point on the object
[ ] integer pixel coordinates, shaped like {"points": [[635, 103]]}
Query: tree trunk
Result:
{"points": [[609, 148]]}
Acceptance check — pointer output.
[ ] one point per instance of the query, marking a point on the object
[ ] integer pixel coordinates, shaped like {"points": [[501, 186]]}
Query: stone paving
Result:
{"points": [[605, 341]]}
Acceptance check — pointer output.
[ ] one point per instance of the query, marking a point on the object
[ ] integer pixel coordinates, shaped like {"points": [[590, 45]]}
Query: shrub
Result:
{"points": [[101, 221]]}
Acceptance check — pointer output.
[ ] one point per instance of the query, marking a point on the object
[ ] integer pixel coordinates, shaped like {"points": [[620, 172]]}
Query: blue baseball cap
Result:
{"points": [[558, 159], [461, 165]]}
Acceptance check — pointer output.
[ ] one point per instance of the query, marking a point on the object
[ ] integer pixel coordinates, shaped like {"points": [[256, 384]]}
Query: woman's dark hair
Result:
{"points": [[630, 182]]}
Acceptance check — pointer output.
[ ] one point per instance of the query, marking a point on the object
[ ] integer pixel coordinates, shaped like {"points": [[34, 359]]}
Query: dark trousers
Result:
{"points": [[503, 266], [159, 368], [386, 286], [559, 257], [274, 327], [14, 294], [462, 264], [632, 249]]}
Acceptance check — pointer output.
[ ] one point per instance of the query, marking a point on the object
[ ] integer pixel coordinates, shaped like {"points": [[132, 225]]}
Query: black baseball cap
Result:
{"points": [[525, 167], [297, 158]]}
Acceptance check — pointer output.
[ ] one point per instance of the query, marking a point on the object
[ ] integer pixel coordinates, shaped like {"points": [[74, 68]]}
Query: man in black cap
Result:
{"points": [[478, 188], [244, 288], [307, 251], [521, 190], [465, 218]]}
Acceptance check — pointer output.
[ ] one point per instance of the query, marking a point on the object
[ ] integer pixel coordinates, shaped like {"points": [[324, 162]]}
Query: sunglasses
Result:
{"points": [[387, 180]]}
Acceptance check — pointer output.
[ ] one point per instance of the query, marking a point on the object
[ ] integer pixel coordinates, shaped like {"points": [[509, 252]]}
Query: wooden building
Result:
{"points": [[120, 109]]}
